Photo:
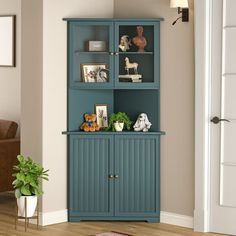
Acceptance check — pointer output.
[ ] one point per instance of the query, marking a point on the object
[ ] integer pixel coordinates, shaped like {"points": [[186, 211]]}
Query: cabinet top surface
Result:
{"points": [[114, 133], [113, 19]]}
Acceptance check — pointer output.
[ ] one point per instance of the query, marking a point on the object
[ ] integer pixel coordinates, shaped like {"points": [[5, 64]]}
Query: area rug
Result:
{"points": [[113, 233]]}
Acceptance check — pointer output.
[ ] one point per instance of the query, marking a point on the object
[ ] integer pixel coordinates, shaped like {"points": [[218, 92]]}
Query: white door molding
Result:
{"points": [[203, 22]]}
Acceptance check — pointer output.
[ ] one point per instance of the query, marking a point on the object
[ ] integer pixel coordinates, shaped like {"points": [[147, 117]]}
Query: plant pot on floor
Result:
{"points": [[119, 126], [27, 210]]}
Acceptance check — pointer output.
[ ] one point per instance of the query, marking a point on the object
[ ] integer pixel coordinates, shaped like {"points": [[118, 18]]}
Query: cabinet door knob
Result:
{"points": [[116, 176], [110, 176], [112, 53], [116, 53]]}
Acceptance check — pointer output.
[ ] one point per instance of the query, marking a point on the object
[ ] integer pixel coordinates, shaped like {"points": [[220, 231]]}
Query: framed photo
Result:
{"points": [[102, 116], [93, 73], [7, 40]]}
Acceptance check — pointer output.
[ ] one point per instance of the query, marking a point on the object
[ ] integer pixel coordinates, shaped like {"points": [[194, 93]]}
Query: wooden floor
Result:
{"points": [[84, 228]]}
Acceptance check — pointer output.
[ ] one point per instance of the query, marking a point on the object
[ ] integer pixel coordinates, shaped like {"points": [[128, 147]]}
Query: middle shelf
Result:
{"points": [[132, 102], [106, 70]]}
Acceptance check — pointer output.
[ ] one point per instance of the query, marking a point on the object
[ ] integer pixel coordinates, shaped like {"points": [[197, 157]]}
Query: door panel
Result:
{"points": [[91, 192], [229, 49], [228, 147], [228, 95], [136, 162], [230, 16], [223, 134], [228, 190]]}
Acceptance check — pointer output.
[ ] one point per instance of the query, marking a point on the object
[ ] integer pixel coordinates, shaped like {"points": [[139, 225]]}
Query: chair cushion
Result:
{"points": [[8, 129]]}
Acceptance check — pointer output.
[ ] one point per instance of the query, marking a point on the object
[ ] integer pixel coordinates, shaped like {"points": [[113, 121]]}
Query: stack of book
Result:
{"points": [[130, 78]]}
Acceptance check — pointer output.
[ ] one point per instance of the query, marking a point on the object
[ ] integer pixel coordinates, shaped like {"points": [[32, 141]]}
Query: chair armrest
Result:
{"points": [[9, 149], [12, 140]]}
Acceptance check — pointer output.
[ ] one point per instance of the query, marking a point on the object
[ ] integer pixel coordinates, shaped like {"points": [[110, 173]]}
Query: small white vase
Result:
{"points": [[119, 126], [31, 205]]}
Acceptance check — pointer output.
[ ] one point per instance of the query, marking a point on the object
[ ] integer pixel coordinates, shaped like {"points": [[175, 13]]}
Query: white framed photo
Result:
{"points": [[7, 40], [102, 115], [93, 73]]}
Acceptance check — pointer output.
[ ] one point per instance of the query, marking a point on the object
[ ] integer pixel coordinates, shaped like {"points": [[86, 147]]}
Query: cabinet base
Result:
{"points": [[90, 218]]}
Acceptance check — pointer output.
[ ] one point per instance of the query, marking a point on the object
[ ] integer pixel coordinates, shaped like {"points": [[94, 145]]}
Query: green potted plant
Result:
{"points": [[118, 121], [27, 184]]}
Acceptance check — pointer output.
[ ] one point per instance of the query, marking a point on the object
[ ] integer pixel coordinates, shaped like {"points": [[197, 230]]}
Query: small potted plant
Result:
{"points": [[118, 121], [27, 184]]}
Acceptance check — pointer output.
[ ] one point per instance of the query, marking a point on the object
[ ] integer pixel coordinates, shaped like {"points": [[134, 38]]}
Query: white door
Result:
{"points": [[223, 106]]}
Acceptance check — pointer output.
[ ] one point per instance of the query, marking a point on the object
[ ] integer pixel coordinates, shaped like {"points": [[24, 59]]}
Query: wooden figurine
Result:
{"points": [[139, 40]]}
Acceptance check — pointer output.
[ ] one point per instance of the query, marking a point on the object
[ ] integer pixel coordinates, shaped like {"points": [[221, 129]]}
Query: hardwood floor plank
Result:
{"points": [[85, 228]]}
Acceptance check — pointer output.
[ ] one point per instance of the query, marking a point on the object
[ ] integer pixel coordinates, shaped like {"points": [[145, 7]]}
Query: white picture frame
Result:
{"points": [[7, 40], [90, 72], [102, 115]]}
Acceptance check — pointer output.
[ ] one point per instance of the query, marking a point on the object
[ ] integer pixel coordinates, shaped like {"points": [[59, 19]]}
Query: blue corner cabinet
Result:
{"points": [[113, 175]]}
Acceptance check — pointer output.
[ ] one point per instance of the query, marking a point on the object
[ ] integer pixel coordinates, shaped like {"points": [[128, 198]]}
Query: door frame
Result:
{"points": [[203, 29]]}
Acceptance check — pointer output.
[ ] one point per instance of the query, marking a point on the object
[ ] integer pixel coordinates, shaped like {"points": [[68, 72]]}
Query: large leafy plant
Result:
{"points": [[29, 176], [119, 117]]}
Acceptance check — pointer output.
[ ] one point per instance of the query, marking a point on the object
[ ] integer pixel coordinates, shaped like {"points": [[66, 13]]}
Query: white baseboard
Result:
{"points": [[51, 218], [176, 219], [61, 216], [54, 217], [201, 223]]}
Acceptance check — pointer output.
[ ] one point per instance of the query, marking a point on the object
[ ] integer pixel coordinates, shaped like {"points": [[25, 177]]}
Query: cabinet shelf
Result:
{"points": [[122, 53], [137, 53], [91, 53], [113, 133], [120, 85]]}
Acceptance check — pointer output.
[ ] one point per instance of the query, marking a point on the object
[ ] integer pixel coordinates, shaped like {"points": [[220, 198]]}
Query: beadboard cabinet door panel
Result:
{"points": [[137, 184], [90, 163]]}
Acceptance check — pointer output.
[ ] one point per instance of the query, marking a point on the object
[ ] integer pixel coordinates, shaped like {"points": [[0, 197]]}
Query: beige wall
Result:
{"points": [[31, 79], [177, 101], [54, 90], [10, 76]]}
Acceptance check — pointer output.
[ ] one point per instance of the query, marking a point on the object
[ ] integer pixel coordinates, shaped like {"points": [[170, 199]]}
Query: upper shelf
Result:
{"points": [[137, 53], [108, 53], [92, 53]]}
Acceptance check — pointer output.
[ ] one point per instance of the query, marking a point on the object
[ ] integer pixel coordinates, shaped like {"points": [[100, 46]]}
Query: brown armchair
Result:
{"points": [[9, 149]]}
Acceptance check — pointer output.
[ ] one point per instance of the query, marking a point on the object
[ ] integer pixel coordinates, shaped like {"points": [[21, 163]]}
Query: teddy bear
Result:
{"points": [[90, 123]]}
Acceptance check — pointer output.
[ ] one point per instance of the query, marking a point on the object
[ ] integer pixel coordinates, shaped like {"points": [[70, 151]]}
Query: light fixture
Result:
{"points": [[182, 6]]}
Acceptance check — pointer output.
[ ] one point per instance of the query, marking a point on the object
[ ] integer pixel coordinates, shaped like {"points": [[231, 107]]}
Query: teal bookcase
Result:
{"points": [[113, 175]]}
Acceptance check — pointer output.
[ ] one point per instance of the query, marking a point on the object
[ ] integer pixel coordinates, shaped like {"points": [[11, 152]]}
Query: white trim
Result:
{"points": [[61, 216], [176, 219], [54, 217], [51, 218], [203, 22]]}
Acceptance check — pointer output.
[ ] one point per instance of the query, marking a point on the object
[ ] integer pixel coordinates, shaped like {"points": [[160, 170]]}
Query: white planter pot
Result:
{"points": [[31, 205], [119, 126]]}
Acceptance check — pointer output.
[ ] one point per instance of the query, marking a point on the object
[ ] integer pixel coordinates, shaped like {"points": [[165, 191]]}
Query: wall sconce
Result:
{"points": [[182, 6]]}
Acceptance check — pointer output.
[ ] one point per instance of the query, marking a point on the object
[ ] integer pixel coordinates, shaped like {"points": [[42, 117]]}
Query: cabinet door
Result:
{"points": [[137, 167], [146, 62], [91, 191], [85, 62]]}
